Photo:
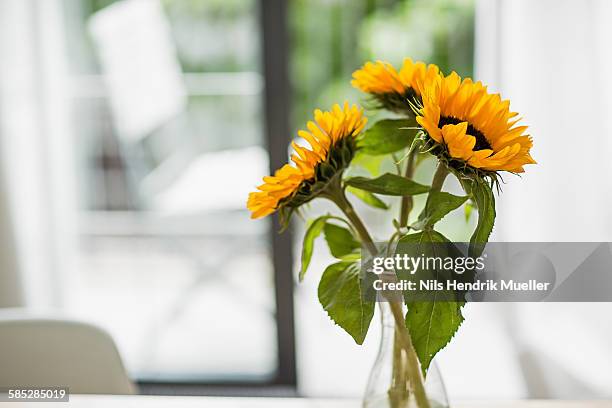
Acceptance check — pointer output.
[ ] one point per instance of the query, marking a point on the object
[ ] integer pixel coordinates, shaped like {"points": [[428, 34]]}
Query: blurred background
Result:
{"points": [[131, 132]]}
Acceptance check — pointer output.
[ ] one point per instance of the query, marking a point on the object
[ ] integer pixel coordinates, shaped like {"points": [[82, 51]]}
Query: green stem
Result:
{"points": [[407, 201], [339, 198], [414, 369], [397, 391], [439, 177], [403, 336]]}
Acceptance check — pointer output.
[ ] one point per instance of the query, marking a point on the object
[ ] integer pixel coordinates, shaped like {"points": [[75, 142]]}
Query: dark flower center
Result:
{"points": [[399, 102], [481, 141]]}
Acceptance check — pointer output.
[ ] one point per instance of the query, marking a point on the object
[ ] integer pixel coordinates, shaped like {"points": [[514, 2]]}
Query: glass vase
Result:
{"points": [[389, 384]]}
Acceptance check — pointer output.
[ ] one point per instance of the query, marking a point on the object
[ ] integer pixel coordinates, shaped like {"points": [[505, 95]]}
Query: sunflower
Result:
{"points": [[332, 146], [471, 129], [394, 90]]}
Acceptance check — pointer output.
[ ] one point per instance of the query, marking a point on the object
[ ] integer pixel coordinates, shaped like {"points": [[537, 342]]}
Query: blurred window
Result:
{"points": [[169, 260]]}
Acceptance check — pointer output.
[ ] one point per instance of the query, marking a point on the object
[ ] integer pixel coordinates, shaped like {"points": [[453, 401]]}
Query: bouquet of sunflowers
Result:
{"points": [[473, 135]]}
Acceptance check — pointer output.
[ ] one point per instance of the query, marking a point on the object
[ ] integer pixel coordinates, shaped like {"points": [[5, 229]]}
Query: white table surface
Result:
{"points": [[95, 401]]}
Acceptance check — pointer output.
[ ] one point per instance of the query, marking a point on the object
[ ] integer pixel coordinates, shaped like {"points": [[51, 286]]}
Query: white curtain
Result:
{"points": [[553, 59], [36, 172]]}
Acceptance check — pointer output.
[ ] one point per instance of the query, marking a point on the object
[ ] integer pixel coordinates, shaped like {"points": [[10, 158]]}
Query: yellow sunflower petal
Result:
{"points": [[327, 128], [495, 141], [459, 143]]}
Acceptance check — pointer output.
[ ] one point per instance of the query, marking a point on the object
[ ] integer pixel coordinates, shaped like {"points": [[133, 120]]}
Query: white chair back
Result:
{"points": [[48, 351]]}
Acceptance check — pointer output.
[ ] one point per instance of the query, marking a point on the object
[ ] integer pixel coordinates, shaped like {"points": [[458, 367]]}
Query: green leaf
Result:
{"points": [[432, 326], [312, 232], [388, 184], [485, 203], [368, 198], [432, 323], [352, 257], [339, 240], [388, 136], [340, 295], [438, 204]]}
